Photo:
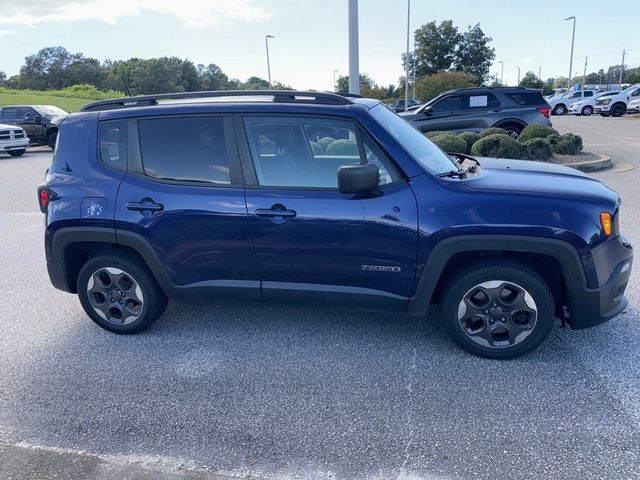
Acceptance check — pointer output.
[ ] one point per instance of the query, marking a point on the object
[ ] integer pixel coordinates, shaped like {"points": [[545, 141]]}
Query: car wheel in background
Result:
{"points": [[16, 153], [559, 109], [618, 110], [513, 130], [587, 110]]}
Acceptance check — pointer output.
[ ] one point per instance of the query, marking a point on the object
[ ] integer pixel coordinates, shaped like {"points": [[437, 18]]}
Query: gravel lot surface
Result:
{"points": [[276, 392]]}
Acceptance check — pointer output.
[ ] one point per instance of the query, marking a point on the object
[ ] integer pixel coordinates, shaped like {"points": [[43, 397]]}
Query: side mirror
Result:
{"points": [[428, 110], [357, 178]]}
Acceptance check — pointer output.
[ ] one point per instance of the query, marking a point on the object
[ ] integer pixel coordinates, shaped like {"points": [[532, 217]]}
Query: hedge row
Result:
{"points": [[535, 142]]}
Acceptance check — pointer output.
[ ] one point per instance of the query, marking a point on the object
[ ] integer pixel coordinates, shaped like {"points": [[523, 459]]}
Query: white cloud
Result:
{"points": [[7, 32], [527, 60], [194, 13]]}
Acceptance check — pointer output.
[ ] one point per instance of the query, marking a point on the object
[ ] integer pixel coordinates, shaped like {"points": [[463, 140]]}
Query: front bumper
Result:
{"points": [[602, 108], [10, 145], [591, 307]]}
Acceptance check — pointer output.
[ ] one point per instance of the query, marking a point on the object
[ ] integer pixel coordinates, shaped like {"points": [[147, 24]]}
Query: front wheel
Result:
{"points": [[559, 110], [498, 309], [120, 294], [588, 110], [618, 110], [16, 153]]}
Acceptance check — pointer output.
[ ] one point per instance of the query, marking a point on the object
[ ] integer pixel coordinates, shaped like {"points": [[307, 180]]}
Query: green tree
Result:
{"points": [[473, 54], [45, 70], [255, 83], [366, 82], [435, 48], [212, 77], [531, 80], [431, 86], [3, 78]]}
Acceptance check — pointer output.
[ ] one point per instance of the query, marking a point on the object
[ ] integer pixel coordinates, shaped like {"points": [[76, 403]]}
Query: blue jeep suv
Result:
{"points": [[321, 199]]}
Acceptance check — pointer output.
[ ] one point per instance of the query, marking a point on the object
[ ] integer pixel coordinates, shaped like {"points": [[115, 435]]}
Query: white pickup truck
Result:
{"points": [[560, 105], [616, 106], [13, 140]]}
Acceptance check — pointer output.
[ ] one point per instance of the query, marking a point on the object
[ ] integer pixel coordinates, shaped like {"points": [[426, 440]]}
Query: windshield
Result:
{"points": [[50, 110], [417, 145]]}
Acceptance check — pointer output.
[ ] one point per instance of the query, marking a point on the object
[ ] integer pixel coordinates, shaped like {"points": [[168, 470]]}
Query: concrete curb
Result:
{"points": [[602, 163]]}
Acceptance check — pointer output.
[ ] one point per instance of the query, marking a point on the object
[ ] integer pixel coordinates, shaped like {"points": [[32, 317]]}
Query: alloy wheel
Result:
{"points": [[115, 296]]}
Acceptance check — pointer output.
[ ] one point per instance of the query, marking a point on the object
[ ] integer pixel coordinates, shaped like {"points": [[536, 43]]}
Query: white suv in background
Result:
{"points": [[560, 105], [634, 106], [616, 106], [587, 106]]}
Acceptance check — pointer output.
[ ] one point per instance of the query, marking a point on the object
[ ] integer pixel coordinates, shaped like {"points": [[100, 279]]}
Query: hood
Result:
{"points": [[4, 126], [500, 174]]}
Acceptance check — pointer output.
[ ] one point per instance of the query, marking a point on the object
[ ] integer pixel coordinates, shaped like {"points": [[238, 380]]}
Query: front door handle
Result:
{"points": [[264, 212], [146, 205]]}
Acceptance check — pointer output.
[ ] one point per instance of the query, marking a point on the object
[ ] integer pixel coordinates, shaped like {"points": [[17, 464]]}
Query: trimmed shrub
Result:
{"points": [[493, 131], [435, 133], [553, 139], [536, 131], [569, 144], [450, 143], [317, 148], [324, 142], [342, 147], [537, 149], [497, 146], [470, 138]]}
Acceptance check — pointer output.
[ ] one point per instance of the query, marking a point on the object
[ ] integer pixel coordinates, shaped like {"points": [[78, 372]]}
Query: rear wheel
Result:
{"points": [[513, 130], [120, 294], [51, 140], [587, 110], [498, 309], [618, 110], [559, 109], [16, 153]]}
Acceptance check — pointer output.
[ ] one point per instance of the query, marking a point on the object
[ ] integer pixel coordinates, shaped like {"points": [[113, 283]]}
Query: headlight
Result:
{"points": [[606, 102]]}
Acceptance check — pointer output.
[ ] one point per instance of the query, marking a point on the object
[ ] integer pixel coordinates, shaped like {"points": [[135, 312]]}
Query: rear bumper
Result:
{"points": [[591, 307]]}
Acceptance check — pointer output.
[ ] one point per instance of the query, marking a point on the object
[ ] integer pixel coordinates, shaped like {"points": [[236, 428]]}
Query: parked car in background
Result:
{"points": [[475, 109], [13, 140], [587, 106], [399, 105], [634, 106], [616, 105], [560, 105], [39, 121]]}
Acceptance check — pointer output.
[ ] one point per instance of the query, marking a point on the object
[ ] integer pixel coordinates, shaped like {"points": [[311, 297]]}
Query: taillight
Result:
{"points": [[44, 196], [546, 111]]}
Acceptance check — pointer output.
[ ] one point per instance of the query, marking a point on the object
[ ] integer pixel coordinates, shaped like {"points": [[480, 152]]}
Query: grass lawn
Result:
{"points": [[67, 104]]}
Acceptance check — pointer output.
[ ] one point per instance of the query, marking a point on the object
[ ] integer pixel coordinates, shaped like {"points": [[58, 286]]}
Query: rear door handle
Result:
{"points": [[146, 205], [264, 212]]}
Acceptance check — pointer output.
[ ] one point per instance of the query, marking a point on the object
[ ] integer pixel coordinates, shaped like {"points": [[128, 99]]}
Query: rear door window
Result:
{"points": [[10, 113], [483, 101], [186, 149]]}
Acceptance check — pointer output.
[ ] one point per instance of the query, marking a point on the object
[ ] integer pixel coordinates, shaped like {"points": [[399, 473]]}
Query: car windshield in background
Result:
{"points": [[421, 149], [50, 110]]}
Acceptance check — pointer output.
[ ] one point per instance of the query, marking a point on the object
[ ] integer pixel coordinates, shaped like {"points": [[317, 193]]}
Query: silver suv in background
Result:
{"points": [[13, 140], [474, 109]]}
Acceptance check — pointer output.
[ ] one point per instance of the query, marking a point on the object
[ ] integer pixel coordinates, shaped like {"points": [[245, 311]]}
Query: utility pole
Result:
{"points": [[354, 55], [573, 37], [518, 84], [501, 73], [584, 77], [406, 63], [335, 87], [415, 55], [266, 42], [622, 69], [540, 72]]}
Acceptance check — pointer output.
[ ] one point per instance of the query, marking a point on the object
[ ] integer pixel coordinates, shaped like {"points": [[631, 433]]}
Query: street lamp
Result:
{"points": [[266, 42], [501, 73], [406, 62], [573, 37], [518, 84], [335, 87]]}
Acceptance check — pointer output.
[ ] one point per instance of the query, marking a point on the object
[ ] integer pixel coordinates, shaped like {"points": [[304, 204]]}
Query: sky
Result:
{"points": [[311, 36]]}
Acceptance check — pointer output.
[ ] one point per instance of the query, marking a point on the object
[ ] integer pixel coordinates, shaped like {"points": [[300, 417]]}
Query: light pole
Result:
{"points": [[266, 43], [406, 63], [415, 55], [501, 73], [335, 87], [518, 84], [573, 37], [354, 53]]}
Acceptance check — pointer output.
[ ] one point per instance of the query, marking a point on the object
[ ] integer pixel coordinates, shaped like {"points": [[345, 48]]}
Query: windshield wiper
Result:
{"points": [[460, 173]]}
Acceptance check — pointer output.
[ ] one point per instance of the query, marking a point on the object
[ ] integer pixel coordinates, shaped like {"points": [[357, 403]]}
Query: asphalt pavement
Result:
{"points": [[241, 391]]}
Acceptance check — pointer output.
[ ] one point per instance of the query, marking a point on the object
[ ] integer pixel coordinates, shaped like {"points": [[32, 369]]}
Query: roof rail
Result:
{"points": [[279, 96]]}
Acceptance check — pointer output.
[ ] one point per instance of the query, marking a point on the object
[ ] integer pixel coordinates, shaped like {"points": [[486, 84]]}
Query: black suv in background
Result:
{"points": [[39, 121], [511, 108]]}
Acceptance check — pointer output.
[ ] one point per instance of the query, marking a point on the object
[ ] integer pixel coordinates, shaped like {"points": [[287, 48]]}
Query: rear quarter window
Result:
{"points": [[113, 144], [526, 98]]}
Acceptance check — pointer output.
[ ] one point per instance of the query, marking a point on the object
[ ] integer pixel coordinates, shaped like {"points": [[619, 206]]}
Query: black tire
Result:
{"points": [[121, 295], [604, 114], [587, 110], [618, 110], [513, 130], [490, 334], [16, 153], [559, 109], [51, 140]]}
